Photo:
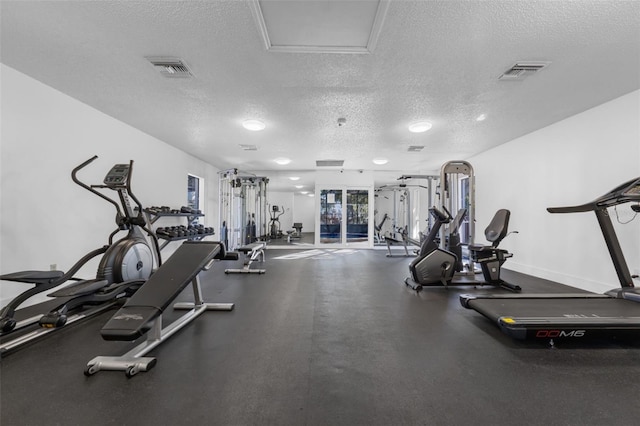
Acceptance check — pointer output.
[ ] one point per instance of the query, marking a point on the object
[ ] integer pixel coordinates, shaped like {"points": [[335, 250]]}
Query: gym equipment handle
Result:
{"points": [[88, 188]]}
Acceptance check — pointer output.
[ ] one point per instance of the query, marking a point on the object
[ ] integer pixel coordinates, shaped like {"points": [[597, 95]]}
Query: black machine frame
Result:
{"points": [[125, 265], [436, 266]]}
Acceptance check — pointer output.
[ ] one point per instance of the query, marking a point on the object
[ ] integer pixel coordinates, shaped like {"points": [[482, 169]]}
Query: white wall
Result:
{"points": [[47, 219], [304, 211], [570, 162], [281, 199]]}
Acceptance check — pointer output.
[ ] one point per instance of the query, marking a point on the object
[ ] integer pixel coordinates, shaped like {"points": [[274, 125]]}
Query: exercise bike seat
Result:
{"points": [[33, 277], [246, 249], [496, 231]]}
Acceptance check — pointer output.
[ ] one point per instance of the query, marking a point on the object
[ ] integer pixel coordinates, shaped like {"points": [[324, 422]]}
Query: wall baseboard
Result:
{"points": [[566, 279]]}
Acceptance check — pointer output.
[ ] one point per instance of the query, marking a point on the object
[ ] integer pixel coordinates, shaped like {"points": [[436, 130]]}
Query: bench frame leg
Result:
{"points": [[255, 255], [134, 361]]}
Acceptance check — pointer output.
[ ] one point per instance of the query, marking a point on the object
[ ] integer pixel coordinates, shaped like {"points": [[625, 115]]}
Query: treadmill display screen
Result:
{"points": [[634, 191]]}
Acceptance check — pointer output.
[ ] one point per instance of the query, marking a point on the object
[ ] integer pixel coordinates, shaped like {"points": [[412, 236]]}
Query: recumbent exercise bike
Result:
{"points": [[435, 266]]}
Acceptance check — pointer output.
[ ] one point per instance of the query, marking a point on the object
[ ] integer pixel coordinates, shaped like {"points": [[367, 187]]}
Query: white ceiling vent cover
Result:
{"points": [[522, 70], [415, 148], [170, 67], [249, 147], [329, 163]]}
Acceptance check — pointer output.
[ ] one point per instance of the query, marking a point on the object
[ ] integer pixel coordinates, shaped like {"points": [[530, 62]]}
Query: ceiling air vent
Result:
{"points": [[170, 67], [522, 70], [329, 163], [415, 148], [249, 147]]}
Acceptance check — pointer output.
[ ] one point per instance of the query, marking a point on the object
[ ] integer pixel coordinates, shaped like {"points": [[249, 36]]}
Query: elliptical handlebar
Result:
{"points": [[281, 212], [74, 177], [81, 166], [130, 191]]}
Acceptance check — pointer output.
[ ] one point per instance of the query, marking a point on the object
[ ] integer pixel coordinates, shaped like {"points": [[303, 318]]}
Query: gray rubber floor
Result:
{"points": [[327, 337]]}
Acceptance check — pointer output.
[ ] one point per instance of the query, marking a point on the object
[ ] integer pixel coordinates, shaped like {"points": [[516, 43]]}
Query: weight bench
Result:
{"points": [[252, 252], [142, 313], [295, 233], [391, 239]]}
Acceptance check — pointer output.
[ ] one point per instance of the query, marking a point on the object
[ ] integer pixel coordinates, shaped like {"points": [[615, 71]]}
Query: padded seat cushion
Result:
{"points": [[150, 300], [252, 247]]}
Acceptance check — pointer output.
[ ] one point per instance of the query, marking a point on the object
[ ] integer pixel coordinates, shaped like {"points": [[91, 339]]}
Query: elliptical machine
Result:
{"points": [[125, 264], [274, 223]]}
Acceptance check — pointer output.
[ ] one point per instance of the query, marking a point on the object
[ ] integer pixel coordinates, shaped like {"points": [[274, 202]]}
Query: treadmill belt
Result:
{"points": [[561, 318]]}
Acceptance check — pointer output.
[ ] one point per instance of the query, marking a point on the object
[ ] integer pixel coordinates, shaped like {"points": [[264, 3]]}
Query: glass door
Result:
{"points": [[344, 217], [331, 216], [357, 216]]}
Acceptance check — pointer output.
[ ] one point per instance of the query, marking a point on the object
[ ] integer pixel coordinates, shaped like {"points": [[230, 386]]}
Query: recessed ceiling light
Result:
{"points": [[312, 195], [253, 125], [380, 161], [419, 127], [304, 192], [299, 186], [294, 178], [282, 161], [481, 117]]}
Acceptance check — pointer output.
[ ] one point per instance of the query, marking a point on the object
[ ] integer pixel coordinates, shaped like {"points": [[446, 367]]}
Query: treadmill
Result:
{"points": [[574, 315]]}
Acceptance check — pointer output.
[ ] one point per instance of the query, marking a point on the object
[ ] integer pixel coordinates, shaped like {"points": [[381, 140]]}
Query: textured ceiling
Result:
{"points": [[434, 60]]}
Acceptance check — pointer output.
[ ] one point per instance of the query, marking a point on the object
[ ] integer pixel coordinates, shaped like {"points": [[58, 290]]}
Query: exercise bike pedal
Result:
{"points": [[414, 285]]}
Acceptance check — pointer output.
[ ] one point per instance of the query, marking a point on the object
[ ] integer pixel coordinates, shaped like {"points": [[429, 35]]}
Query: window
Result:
{"points": [[194, 190]]}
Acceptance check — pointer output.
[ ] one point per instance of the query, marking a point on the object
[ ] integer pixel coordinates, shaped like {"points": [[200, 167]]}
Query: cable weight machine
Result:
{"points": [[458, 191], [243, 214]]}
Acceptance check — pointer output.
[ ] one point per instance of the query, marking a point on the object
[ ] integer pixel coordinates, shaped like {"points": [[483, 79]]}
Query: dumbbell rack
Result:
{"points": [[153, 216]]}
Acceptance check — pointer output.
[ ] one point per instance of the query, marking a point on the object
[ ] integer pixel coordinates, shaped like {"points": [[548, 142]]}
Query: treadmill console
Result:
{"points": [[625, 193], [117, 175], [633, 191]]}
